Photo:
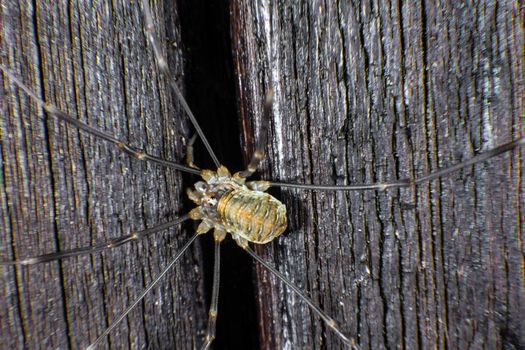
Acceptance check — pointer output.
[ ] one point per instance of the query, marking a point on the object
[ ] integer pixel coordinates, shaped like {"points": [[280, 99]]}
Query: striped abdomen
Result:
{"points": [[253, 215]]}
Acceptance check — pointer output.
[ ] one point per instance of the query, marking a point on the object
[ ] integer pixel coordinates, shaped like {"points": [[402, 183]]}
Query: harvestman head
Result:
{"points": [[225, 203]]}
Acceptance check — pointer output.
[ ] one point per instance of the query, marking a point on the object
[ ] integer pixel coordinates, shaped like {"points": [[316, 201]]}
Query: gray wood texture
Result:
{"points": [[62, 189], [364, 92], [374, 91]]}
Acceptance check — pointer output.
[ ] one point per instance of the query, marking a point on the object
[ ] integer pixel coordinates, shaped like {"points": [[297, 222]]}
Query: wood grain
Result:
{"points": [[376, 91], [63, 189], [364, 92]]}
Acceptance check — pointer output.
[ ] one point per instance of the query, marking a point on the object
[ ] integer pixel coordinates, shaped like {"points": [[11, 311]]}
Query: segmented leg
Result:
{"points": [[142, 295], [484, 156], [124, 147], [162, 63], [258, 154], [330, 322], [212, 314], [112, 243]]}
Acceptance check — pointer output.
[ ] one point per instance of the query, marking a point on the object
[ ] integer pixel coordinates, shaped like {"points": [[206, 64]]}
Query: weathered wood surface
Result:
{"points": [[364, 92], [62, 189], [372, 91]]}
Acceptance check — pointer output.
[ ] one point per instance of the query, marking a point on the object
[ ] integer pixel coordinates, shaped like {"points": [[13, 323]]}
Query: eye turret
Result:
{"points": [[201, 186]]}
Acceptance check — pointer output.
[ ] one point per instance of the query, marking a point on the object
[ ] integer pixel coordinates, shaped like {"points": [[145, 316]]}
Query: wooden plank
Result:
{"points": [[372, 91], [63, 189], [363, 93]]}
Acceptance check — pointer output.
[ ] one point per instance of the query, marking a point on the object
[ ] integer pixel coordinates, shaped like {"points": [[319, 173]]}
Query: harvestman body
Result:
{"points": [[225, 203]]}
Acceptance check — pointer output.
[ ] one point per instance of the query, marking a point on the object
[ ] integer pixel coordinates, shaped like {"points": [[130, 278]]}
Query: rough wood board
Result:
{"points": [[363, 92], [372, 91], [63, 189]]}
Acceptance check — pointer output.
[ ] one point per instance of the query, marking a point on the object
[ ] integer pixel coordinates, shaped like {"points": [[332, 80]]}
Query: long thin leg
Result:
{"points": [[507, 147], [163, 66], [212, 314], [112, 243], [258, 154], [143, 294], [124, 147], [330, 322]]}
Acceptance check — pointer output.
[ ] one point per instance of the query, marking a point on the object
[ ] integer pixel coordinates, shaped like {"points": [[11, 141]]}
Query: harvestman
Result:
{"points": [[225, 202]]}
